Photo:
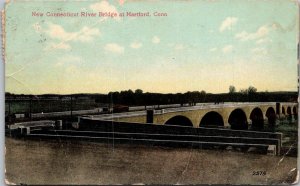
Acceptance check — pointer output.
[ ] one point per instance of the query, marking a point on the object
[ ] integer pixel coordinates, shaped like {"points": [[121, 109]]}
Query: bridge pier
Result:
{"points": [[58, 124], [149, 116]]}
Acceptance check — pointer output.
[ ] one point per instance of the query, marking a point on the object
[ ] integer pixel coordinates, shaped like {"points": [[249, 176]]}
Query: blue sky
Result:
{"points": [[199, 45]]}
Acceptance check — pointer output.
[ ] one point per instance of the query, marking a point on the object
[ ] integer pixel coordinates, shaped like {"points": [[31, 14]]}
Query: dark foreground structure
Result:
{"points": [[150, 135]]}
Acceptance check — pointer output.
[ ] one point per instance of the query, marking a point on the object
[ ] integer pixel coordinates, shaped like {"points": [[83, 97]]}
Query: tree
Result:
{"points": [[129, 91], [232, 89], [252, 90], [244, 91], [203, 96], [252, 93], [249, 90], [138, 91]]}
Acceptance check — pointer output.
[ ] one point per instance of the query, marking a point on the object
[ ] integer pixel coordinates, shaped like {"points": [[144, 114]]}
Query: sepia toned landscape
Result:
{"points": [[151, 92]]}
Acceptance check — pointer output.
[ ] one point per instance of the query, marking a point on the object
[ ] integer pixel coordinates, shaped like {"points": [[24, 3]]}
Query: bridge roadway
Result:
{"points": [[233, 115]]}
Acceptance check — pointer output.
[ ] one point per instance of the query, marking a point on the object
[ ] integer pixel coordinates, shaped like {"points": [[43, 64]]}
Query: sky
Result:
{"points": [[200, 45]]}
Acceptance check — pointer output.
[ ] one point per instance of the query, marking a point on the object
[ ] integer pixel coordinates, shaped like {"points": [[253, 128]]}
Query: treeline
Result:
{"points": [[138, 97], [134, 98]]}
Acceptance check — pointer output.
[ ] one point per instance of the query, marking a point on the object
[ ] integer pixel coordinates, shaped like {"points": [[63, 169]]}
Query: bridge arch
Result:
{"points": [[271, 115], [238, 120], [289, 114], [283, 110], [294, 110], [295, 113], [212, 118], [257, 119], [289, 111], [179, 120]]}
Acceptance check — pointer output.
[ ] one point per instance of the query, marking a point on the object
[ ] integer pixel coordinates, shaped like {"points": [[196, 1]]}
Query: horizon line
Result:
{"points": [[281, 91]]}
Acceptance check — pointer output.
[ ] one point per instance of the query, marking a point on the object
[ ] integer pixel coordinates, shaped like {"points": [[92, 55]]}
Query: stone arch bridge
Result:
{"points": [[230, 115]]}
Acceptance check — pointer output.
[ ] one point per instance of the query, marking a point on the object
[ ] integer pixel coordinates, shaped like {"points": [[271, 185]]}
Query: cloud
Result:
{"points": [[57, 32], [121, 2], [136, 45], [88, 34], [227, 49], [114, 47], [262, 41], [259, 50], [63, 37], [228, 23], [85, 34], [261, 32], [213, 49], [155, 40], [63, 46], [104, 6]]}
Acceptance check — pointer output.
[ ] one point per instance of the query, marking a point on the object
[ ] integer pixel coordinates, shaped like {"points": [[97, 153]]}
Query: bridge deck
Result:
{"points": [[180, 109], [164, 110]]}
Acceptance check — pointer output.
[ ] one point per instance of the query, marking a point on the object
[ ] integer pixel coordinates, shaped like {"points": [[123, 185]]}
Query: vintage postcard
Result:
{"points": [[102, 92]]}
